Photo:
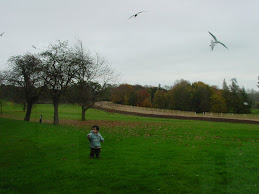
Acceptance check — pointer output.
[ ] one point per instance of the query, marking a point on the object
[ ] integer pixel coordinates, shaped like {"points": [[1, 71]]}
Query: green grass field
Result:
{"points": [[254, 111], [139, 155]]}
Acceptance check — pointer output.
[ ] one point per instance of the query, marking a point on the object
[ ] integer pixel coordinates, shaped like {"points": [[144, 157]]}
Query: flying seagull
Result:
{"points": [[215, 41], [212, 44], [234, 79], [135, 15], [34, 46], [2, 34]]}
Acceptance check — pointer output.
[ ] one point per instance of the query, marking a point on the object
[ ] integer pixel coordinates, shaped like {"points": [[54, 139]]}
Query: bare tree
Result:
{"points": [[59, 70], [25, 72], [85, 94], [92, 78]]}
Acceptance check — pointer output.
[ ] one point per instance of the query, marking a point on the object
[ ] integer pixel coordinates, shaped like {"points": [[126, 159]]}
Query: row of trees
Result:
{"points": [[73, 74], [59, 72], [185, 96]]}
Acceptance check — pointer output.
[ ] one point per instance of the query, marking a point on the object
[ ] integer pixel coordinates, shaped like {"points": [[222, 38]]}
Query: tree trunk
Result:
{"points": [[83, 113], [55, 104], [28, 112]]}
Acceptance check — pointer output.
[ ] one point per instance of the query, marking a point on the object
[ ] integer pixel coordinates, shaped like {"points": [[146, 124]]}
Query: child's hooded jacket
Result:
{"points": [[95, 139]]}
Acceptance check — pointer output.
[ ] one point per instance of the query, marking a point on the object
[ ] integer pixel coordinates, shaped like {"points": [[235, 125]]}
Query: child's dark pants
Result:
{"points": [[95, 151]]}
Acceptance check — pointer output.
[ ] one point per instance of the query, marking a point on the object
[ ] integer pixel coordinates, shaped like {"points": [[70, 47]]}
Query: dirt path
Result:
{"points": [[181, 117]]}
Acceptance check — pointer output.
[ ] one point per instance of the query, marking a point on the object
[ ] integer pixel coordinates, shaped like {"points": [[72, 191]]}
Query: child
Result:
{"points": [[95, 137]]}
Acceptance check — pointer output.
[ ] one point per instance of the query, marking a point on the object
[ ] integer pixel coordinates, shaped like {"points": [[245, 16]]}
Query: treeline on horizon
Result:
{"points": [[186, 96], [183, 95]]}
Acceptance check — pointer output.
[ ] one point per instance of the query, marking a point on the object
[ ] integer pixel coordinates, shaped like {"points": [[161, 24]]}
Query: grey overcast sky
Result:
{"points": [[167, 43]]}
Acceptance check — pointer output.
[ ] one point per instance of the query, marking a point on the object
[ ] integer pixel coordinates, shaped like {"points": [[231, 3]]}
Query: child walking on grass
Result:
{"points": [[95, 139]]}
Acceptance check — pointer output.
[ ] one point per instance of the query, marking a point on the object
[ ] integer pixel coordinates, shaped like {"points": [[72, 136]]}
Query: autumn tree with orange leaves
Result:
{"points": [[144, 98], [122, 94]]}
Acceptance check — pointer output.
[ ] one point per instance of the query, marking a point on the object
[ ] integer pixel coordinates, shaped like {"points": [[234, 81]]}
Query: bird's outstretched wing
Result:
{"points": [[136, 14], [141, 12], [131, 16], [2, 34], [214, 37], [223, 44]]}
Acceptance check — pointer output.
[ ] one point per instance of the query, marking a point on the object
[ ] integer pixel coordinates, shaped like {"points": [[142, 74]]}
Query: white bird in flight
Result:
{"points": [[233, 79], [135, 15], [2, 34], [215, 41], [212, 45]]}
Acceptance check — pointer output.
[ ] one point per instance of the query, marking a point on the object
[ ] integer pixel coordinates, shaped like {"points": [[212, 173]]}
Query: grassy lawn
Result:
{"points": [[67, 111], [255, 111], [139, 155]]}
